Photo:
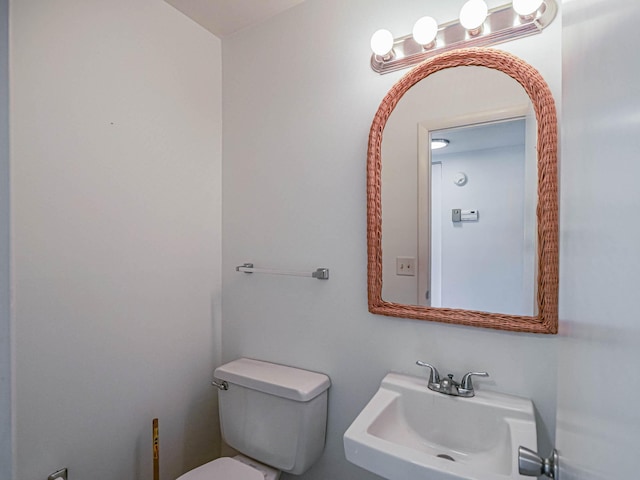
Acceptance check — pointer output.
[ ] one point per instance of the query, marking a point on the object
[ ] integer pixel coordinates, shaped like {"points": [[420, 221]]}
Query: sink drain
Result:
{"points": [[445, 456]]}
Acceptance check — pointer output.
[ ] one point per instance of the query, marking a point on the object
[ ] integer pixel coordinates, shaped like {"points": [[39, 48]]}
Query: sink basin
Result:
{"points": [[407, 431]]}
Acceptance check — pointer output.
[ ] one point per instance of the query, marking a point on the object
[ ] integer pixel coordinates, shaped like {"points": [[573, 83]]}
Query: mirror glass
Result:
{"points": [[459, 223]]}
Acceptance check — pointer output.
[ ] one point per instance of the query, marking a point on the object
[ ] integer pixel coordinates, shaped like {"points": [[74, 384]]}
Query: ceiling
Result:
{"points": [[225, 17], [480, 137]]}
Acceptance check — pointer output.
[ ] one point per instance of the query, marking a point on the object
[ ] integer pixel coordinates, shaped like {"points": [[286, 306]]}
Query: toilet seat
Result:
{"points": [[224, 468]]}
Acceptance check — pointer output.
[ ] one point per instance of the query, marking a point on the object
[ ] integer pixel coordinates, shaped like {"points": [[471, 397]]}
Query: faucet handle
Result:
{"points": [[434, 376], [466, 383]]}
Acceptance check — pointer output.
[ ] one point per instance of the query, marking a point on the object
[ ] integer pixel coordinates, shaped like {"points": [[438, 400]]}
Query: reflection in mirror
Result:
{"points": [[482, 247], [431, 256], [466, 234]]}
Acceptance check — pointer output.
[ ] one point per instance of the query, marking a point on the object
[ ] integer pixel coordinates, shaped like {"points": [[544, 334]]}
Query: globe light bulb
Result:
{"points": [[425, 30], [526, 8], [473, 14], [382, 42]]}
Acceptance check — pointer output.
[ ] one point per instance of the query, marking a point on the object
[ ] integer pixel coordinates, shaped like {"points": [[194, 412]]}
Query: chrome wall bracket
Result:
{"points": [[503, 24], [531, 464], [59, 475]]}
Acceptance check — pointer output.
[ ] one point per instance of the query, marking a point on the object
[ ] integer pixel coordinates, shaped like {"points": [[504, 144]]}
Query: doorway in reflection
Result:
{"points": [[482, 255]]}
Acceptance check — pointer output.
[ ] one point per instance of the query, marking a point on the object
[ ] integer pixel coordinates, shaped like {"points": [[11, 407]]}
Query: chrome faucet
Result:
{"points": [[448, 385]]}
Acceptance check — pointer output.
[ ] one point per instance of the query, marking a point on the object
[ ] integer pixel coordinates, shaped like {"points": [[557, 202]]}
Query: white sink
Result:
{"points": [[405, 426]]}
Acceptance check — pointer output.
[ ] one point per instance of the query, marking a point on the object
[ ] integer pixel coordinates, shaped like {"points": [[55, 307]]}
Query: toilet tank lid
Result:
{"points": [[280, 380]]}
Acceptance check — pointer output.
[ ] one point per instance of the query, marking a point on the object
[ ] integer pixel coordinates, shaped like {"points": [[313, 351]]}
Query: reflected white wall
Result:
{"points": [[483, 261]]}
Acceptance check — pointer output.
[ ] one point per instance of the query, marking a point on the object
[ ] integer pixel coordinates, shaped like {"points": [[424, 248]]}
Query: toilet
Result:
{"points": [[274, 415]]}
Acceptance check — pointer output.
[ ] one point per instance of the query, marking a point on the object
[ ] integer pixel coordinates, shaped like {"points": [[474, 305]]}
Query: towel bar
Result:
{"points": [[320, 273]]}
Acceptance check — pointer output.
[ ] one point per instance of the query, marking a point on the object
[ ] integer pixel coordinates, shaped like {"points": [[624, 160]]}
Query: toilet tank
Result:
{"points": [[274, 413]]}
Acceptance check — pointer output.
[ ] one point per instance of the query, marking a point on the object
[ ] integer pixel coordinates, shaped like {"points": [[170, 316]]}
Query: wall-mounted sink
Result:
{"points": [[407, 431]]}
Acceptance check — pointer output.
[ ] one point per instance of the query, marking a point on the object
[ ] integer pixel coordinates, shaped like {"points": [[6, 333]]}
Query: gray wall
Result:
{"points": [[299, 97], [116, 157], [5, 277]]}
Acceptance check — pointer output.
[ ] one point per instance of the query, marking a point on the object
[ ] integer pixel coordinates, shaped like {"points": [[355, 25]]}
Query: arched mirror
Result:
{"points": [[462, 195]]}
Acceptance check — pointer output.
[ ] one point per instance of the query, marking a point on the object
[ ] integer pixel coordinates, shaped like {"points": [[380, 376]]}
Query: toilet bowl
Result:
{"points": [[236, 468], [274, 415]]}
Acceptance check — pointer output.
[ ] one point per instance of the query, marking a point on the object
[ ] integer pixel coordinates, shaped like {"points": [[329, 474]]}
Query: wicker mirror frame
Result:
{"points": [[546, 320]]}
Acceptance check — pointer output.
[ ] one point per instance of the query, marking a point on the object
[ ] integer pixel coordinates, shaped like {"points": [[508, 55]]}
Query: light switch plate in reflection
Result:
{"points": [[406, 266]]}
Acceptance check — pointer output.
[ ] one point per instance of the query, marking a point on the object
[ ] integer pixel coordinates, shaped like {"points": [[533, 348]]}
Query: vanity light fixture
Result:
{"points": [[437, 143], [477, 26]]}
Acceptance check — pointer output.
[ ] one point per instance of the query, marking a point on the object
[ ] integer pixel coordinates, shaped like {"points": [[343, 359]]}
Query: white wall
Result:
{"points": [[115, 130], [296, 122], [483, 261], [5, 255], [598, 384]]}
